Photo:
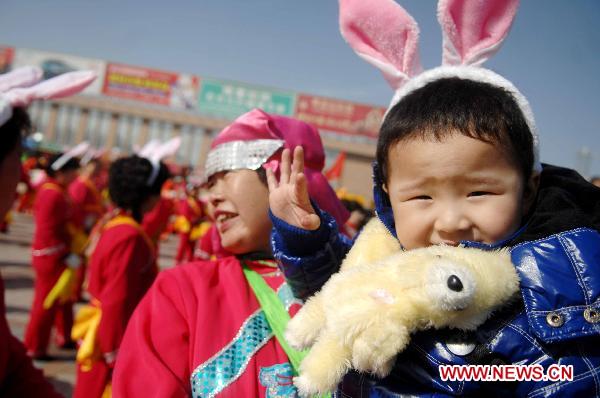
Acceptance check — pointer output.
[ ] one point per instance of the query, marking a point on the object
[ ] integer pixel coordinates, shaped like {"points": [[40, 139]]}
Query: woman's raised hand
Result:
{"points": [[288, 197]]}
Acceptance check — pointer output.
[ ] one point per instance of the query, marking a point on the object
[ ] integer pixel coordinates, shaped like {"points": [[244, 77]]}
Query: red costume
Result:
{"points": [[122, 268], [18, 377], [201, 332], [87, 201], [210, 245], [156, 220], [51, 243], [88, 207], [190, 213]]}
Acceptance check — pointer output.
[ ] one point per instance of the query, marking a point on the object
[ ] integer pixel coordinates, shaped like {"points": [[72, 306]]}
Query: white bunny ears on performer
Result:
{"points": [[74, 152], [92, 153], [20, 87], [385, 35], [155, 151]]}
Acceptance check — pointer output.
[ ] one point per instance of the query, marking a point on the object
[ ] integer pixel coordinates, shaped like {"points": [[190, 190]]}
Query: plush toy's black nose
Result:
{"points": [[454, 283]]}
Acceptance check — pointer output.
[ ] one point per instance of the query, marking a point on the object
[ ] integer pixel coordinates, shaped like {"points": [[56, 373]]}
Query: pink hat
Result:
{"points": [[255, 139]]}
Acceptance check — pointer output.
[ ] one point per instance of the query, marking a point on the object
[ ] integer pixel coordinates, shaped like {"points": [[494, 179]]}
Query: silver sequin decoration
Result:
{"points": [[236, 155]]}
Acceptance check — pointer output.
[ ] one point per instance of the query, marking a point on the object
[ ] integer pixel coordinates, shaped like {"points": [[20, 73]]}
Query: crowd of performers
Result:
{"points": [[98, 228], [200, 327]]}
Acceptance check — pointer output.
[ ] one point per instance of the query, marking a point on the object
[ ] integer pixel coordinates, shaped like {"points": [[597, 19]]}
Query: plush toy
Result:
{"points": [[364, 315]]}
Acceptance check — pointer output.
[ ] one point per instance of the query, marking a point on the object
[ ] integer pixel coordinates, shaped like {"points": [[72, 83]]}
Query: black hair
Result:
{"points": [[445, 106], [71, 164], [262, 175], [128, 183], [13, 130]]}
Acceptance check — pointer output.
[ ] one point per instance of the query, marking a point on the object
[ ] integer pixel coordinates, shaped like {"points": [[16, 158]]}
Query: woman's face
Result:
{"points": [[10, 173], [241, 206]]}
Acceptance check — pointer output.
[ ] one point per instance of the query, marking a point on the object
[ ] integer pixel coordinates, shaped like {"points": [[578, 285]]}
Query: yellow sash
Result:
{"points": [[87, 320], [85, 330], [63, 290]]}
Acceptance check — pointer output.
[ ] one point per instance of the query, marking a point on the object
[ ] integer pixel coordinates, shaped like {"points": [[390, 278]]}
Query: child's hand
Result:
{"points": [[289, 198]]}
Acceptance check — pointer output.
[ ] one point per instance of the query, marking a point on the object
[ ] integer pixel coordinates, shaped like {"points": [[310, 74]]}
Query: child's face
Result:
{"points": [[241, 208], [456, 189]]}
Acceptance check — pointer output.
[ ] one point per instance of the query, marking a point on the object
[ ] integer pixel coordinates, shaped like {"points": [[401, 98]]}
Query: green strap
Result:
{"points": [[276, 314]]}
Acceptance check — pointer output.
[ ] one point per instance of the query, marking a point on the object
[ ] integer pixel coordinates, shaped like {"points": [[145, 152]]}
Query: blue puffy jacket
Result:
{"points": [[557, 255]]}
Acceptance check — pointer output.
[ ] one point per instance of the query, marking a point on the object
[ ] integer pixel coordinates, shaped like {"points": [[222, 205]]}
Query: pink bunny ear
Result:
{"points": [[385, 35], [60, 86], [474, 30], [21, 77]]}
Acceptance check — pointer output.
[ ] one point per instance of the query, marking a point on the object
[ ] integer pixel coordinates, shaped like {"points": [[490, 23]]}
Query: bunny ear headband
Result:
{"points": [[154, 151], [385, 35], [19, 88]]}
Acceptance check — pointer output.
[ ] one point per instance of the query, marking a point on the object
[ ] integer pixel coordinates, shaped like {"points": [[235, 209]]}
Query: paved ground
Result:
{"points": [[16, 270]]}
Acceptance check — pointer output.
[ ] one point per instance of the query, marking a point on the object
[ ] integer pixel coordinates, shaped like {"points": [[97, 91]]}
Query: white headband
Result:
{"points": [[385, 35]]}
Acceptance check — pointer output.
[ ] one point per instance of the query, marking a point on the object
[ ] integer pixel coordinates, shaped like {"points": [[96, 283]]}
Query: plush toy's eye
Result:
{"points": [[454, 283], [450, 285]]}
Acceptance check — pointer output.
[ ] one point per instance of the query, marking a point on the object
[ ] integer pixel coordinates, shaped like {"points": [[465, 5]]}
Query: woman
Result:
{"points": [[204, 329], [122, 267]]}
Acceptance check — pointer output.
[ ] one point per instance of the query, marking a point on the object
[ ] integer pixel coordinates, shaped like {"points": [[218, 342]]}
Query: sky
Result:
{"points": [[552, 53]]}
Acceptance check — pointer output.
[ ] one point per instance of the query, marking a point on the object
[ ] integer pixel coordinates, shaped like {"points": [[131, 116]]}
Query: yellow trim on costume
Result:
{"points": [[52, 186], [79, 239], [181, 225], [128, 220], [200, 230], [194, 205], [63, 290], [85, 330]]}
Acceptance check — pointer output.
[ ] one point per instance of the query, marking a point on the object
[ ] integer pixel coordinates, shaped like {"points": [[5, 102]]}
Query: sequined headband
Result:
{"points": [[236, 155]]}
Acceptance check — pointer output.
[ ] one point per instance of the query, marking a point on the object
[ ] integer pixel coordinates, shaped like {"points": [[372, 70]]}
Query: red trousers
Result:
{"points": [[47, 271], [91, 384]]}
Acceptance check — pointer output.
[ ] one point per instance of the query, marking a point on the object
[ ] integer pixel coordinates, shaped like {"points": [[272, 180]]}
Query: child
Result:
{"points": [[122, 267], [457, 165], [200, 330]]}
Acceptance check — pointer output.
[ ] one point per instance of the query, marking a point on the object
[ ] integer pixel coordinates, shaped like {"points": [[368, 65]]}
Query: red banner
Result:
{"points": [[339, 116], [6, 58], [148, 85]]}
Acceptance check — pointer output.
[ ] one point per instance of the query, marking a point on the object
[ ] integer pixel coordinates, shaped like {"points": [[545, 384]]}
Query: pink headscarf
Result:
{"points": [[259, 125]]}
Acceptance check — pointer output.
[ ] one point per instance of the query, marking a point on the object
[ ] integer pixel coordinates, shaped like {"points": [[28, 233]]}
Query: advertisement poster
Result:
{"points": [[339, 116], [54, 64], [228, 100]]}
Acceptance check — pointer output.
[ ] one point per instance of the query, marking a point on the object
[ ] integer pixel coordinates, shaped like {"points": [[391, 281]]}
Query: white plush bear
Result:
{"points": [[364, 315]]}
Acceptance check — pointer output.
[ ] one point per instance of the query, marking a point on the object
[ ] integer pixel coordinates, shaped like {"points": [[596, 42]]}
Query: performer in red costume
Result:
{"points": [[51, 248], [86, 197], [200, 330], [88, 206], [190, 214], [122, 268]]}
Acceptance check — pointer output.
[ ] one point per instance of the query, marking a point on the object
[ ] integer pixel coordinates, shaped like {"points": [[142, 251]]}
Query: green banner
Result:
{"points": [[229, 100]]}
